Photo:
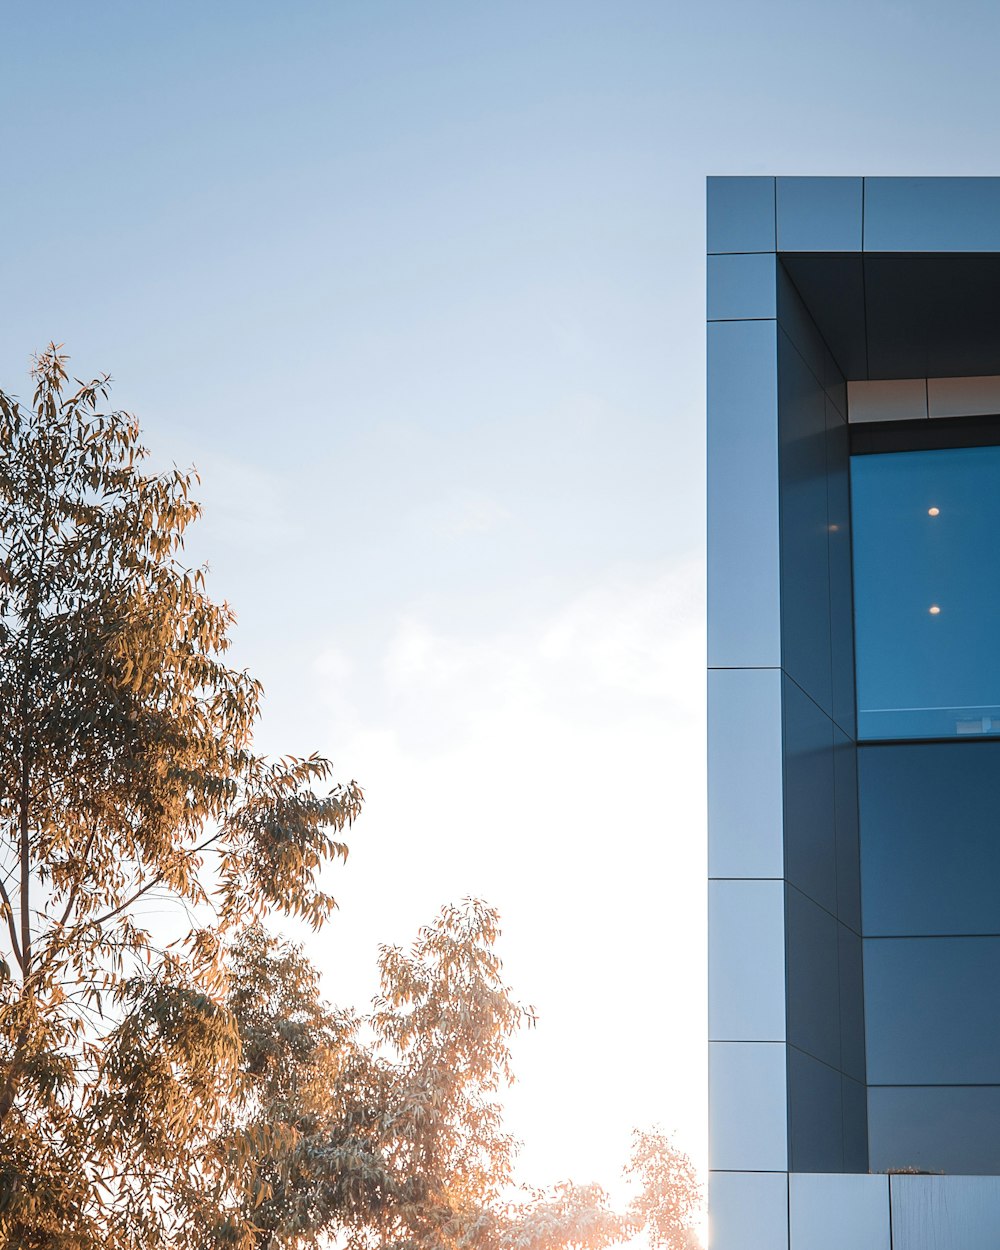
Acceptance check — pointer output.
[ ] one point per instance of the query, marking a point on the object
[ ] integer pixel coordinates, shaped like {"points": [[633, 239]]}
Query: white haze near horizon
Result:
{"points": [[553, 765]]}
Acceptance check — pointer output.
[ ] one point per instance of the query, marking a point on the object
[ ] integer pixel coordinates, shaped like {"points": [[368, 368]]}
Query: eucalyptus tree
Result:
{"points": [[385, 1127], [181, 1084], [669, 1198], [127, 774]]}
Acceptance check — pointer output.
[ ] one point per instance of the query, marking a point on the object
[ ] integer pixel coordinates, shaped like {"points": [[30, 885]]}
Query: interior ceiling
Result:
{"points": [[891, 315]]}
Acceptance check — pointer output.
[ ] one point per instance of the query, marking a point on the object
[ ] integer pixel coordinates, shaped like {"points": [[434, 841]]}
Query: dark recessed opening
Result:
{"points": [[892, 315]]}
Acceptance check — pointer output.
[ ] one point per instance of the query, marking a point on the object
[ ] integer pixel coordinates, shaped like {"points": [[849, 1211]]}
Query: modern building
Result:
{"points": [[854, 713]]}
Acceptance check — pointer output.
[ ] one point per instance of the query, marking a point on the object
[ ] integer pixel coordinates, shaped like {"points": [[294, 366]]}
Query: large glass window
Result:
{"points": [[926, 535], [937, 1128], [932, 1010], [930, 855]]}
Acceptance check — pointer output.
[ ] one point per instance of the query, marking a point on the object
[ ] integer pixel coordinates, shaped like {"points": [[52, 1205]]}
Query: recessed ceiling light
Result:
{"points": [[934, 609], [933, 511]]}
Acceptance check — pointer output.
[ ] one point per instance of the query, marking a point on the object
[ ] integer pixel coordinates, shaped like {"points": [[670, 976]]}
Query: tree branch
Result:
{"points": [[75, 889], [11, 928], [24, 801], [152, 883]]}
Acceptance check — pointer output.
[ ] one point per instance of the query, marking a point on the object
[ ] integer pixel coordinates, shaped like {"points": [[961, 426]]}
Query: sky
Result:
{"points": [[418, 287]]}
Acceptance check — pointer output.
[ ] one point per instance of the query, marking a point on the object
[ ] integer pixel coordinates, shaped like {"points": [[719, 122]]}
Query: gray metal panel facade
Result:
{"points": [[816, 286]]}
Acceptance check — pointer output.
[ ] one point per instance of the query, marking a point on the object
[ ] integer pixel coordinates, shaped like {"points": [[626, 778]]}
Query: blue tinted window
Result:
{"points": [[944, 1128], [927, 592], [930, 855], [932, 1010]]}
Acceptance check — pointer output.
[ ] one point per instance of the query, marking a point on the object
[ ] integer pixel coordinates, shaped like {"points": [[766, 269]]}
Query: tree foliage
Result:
{"points": [[669, 1196], [386, 1128], [565, 1217], [127, 773], [395, 1126], [580, 1217], [178, 1081]]}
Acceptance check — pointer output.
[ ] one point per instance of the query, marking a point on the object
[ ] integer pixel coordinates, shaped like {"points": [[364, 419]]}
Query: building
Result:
{"points": [[854, 713]]}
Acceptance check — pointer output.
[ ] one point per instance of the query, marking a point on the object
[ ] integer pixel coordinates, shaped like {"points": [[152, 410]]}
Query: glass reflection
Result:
{"points": [[927, 593]]}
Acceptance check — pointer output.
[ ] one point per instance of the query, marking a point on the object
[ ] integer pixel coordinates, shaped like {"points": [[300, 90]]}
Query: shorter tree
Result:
{"points": [[669, 1197], [565, 1217], [579, 1217], [384, 1129]]}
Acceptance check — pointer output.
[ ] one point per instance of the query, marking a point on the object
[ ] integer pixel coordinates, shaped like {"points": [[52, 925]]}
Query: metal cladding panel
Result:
{"points": [[945, 1212], [901, 399], [744, 613], [810, 816], [741, 286], [820, 214], [835, 382], [932, 215], [845, 783], [745, 820], [746, 961], [963, 397], [799, 325], [748, 1210], [838, 486], [930, 316], [852, 1003], [838, 1212], [815, 1115], [832, 286], [813, 972], [741, 215], [805, 537], [747, 1107], [855, 1097]]}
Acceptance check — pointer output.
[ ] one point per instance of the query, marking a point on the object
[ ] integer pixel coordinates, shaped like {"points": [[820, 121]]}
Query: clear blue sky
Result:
{"points": [[419, 288]]}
